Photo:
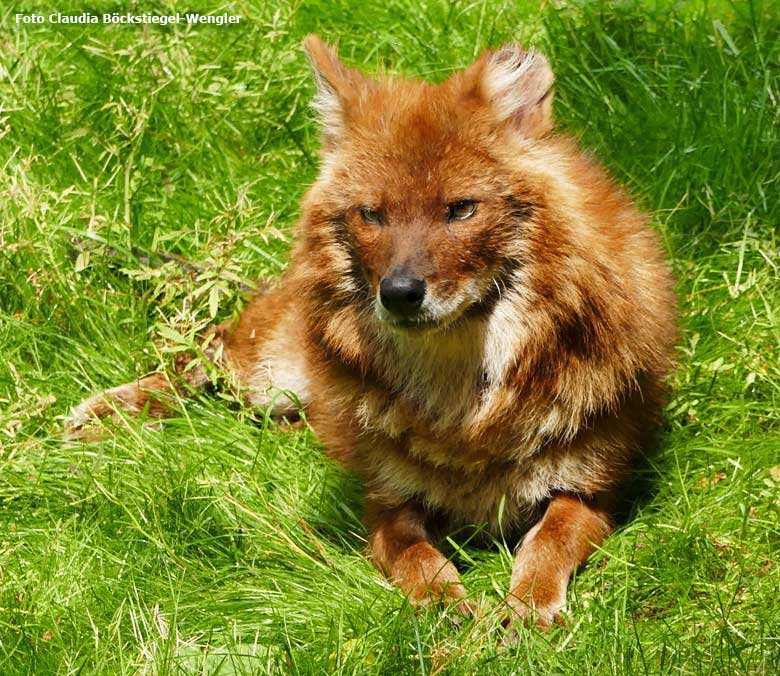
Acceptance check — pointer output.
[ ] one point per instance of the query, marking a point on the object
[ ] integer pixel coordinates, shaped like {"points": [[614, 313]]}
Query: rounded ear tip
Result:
{"points": [[517, 84], [507, 50], [311, 41], [517, 53], [529, 61], [314, 44]]}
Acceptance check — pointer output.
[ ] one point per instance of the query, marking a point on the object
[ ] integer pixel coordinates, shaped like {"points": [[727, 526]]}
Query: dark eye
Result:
{"points": [[461, 210], [371, 216]]}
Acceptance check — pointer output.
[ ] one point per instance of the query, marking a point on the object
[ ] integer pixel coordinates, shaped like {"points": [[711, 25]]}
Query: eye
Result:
{"points": [[461, 210], [371, 216]]}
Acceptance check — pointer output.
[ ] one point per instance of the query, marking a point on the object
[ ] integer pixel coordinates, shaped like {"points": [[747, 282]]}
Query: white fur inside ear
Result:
{"points": [[517, 83], [328, 106]]}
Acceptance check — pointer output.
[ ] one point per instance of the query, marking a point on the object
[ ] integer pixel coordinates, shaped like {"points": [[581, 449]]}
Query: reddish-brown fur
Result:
{"points": [[534, 374]]}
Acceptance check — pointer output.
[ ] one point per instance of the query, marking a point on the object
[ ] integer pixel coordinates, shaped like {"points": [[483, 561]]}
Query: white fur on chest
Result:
{"points": [[450, 378]]}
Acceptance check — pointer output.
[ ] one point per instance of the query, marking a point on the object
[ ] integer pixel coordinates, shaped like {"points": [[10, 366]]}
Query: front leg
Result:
{"points": [[566, 536], [400, 547]]}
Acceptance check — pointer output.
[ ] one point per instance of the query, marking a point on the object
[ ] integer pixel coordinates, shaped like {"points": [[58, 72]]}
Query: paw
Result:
{"points": [[452, 597], [534, 604], [428, 578], [83, 419], [442, 589], [529, 614], [131, 398]]}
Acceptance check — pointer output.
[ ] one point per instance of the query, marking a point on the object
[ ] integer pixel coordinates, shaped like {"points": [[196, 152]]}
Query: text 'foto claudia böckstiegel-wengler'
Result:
{"points": [[127, 18]]}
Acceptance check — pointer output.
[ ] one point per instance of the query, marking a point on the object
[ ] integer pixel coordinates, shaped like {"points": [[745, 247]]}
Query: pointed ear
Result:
{"points": [[518, 86], [337, 86]]}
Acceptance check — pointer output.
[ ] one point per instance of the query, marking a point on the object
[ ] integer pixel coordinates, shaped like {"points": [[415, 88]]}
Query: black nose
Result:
{"points": [[402, 294]]}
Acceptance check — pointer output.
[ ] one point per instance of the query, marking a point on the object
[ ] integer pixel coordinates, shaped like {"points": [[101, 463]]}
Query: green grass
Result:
{"points": [[219, 546]]}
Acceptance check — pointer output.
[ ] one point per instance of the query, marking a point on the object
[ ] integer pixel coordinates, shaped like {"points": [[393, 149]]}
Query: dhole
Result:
{"points": [[476, 319]]}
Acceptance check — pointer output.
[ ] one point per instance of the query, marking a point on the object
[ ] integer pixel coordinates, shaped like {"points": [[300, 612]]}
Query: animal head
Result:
{"points": [[419, 208]]}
